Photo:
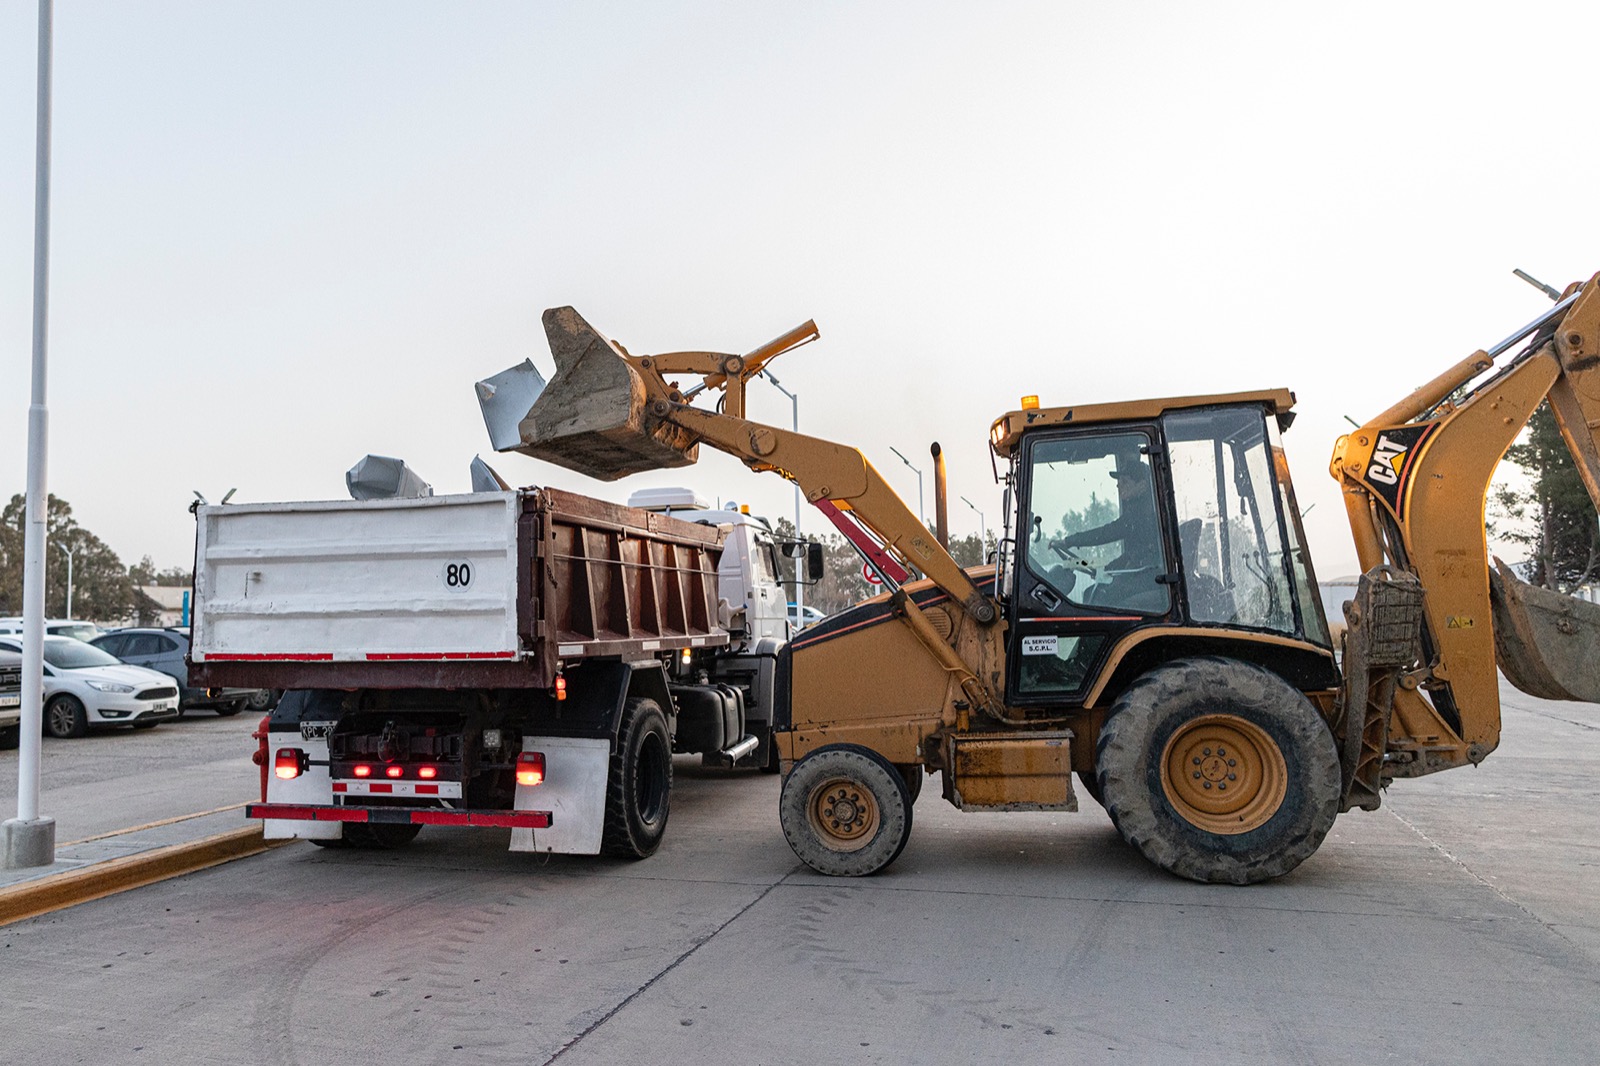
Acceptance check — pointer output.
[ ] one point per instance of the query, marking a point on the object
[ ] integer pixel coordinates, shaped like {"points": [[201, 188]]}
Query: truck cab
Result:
{"points": [[747, 576]]}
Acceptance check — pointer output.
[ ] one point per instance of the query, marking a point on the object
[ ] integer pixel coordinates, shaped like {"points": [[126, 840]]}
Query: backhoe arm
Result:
{"points": [[1416, 480]]}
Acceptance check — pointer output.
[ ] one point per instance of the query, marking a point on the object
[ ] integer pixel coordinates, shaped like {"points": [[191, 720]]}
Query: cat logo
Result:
{"points": [[1387, 458]]}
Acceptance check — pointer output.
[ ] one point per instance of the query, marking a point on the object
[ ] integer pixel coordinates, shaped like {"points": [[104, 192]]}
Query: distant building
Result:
{"points": [[173, 600]]}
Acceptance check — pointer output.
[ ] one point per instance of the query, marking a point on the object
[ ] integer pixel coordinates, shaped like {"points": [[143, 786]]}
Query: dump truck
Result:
{"points": [[1151, 623], [528, 659]]}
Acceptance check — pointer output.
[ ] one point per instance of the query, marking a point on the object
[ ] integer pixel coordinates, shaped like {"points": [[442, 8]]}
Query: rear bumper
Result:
{"points": [[399, 815]]}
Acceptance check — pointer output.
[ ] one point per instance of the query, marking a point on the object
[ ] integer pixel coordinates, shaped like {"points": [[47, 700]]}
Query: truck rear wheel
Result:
{"points": [[845, 811], [639, 788], [1218, 771]]}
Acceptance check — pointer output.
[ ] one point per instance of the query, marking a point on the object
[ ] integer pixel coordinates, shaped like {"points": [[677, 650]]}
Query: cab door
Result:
{"points": [[1094, 558]]}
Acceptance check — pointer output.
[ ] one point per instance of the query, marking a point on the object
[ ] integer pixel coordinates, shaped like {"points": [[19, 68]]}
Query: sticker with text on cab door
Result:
{"points": [[1039, 645]]}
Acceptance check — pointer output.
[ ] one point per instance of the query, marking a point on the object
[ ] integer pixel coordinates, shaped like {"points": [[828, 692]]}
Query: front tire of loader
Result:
{"points": [[845, 811], [1218, 771], [639, 787]]}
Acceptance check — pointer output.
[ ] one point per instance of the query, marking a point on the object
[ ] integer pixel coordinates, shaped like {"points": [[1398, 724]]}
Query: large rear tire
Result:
{"points": [[845, 811], [639, 788], [1218, 771]]}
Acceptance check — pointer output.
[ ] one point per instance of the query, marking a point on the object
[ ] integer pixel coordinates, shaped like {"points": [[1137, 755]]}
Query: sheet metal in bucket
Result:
{"points": [[592, 415], [1547, 644]]}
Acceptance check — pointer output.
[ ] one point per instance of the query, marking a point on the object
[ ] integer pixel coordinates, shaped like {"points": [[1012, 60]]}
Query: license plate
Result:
{"points": [[166, 705], [11, 701]]}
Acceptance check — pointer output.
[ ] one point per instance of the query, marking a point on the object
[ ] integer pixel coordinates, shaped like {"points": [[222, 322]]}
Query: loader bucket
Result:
{"points": [[1547, 644], [593, 416]]}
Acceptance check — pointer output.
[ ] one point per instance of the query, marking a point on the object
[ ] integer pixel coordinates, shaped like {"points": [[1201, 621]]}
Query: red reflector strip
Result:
{"points": [[430, 816], [376, 787], [338, 786], [306, 814], [427, 790], [405, 656]]}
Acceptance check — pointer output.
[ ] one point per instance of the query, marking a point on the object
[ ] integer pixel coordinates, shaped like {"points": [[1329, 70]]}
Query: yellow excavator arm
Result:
{"points": [[1416, 480]]}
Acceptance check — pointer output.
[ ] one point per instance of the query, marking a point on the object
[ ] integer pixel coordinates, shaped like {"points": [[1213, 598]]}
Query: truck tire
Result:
{"points": [[228, 710], [65, 716], [639, 787], [845, 811], [1184, 734]]}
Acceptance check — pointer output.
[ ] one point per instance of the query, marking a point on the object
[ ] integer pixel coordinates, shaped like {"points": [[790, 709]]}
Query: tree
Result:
{"points": [[144, 572], [101, 587], [1554, 517]]}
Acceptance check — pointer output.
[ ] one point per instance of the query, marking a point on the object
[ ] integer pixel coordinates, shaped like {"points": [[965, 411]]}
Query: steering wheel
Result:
{"points": [[1073, 558]]}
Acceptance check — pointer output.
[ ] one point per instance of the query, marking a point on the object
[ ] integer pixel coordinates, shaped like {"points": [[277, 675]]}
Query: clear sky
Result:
{"points": [[288, 234]]}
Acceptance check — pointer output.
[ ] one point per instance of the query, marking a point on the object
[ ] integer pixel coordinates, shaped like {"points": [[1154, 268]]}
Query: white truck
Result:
{"points": [[525, 658]]}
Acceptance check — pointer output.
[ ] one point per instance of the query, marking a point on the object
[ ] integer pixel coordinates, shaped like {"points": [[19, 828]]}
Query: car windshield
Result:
{"points": [[77, 631], [75, 655]]}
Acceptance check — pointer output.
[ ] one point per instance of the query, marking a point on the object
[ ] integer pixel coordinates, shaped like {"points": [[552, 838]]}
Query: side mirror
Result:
{"points": [[814, 560]]}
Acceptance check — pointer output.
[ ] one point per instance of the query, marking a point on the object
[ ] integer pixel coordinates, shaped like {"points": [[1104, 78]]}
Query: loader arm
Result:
{"points": [[1416, 480], [608, 413]]}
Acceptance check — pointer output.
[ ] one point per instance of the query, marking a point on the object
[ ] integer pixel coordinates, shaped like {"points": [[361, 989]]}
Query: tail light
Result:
{"points": [[394, 771], [561, 689], [530, 768], [289, 763], [427, 773], [363, 771]]}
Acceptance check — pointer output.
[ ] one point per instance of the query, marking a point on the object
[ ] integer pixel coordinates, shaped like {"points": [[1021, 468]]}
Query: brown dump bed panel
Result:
{"points": [[618, 581]]}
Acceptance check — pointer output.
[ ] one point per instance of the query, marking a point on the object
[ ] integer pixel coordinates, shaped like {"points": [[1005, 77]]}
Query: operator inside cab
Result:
{"points": [[1107, 548]]}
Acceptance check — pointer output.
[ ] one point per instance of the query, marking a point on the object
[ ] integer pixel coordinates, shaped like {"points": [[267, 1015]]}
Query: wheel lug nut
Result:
{"points": [[1233, 777], [1206, 752], [1197, 760], [1207, 785], [1222, 786], [1222, 751], [1197, 774], [1233, 762]]}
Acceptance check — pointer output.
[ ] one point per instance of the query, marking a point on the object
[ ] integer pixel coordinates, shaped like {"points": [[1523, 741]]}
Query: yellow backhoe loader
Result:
{"points": [[1152, 622]]}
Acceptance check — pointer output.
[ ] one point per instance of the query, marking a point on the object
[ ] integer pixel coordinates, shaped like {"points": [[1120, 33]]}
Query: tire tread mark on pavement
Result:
{"points": [[673, 965]]}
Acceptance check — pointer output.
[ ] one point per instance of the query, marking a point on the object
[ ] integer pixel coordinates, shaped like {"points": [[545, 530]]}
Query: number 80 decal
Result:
{"points": [[457, 575]]}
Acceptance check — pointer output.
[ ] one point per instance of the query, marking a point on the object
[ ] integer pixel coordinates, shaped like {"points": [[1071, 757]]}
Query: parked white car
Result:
{"points": [[61, 627], [83, 687]]}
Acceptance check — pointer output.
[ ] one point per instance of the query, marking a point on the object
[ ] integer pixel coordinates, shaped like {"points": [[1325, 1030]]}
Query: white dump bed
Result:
{"points": [[350, 581]]}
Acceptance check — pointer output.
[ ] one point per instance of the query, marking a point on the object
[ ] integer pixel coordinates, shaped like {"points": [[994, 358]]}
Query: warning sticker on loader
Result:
{"points": [[1039, 645]]}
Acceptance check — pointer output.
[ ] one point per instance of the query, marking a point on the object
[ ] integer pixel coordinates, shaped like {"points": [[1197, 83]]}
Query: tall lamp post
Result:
{"points": [[70, 555], [922, 515], [983, 529], [799, 593], [29, 839]]}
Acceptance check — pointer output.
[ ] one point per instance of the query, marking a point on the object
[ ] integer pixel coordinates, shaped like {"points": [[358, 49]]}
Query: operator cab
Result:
{"points": [[1175, 515]]}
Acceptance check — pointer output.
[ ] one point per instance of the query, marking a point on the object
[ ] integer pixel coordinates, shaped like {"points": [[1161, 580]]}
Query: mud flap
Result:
{"points": [[573, 791]]}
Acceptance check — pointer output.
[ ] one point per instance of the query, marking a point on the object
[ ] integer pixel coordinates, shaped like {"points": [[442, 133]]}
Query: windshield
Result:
{"points": [[77, 630], [72, 654]]}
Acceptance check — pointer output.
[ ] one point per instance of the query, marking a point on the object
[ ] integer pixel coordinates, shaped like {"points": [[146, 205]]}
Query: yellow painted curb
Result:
{"points": [[43, 895]]}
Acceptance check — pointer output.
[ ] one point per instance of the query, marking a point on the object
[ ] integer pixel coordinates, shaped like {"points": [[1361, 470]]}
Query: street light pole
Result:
{"points": [[70, 555], [28, 839], [799, 594], [983, 529], [922, 514]]}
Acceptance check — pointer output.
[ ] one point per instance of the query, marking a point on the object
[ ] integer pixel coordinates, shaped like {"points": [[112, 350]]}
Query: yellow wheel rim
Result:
{"points": [[843, 813], [1224, 774]]}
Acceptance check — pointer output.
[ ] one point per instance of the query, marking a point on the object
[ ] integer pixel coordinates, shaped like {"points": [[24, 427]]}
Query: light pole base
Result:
{"points": [[25, 844]]}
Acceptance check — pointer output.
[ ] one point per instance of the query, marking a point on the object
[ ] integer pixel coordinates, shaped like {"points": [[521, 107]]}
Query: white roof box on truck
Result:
{"points": [[668, 499]]}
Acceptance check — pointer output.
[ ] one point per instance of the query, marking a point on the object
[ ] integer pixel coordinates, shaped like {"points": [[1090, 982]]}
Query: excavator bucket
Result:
{"points": [[1547, 644], [593, 415]]}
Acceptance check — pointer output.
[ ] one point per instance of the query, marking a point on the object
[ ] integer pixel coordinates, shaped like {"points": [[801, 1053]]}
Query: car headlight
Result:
{"points": [[110, 686]]}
